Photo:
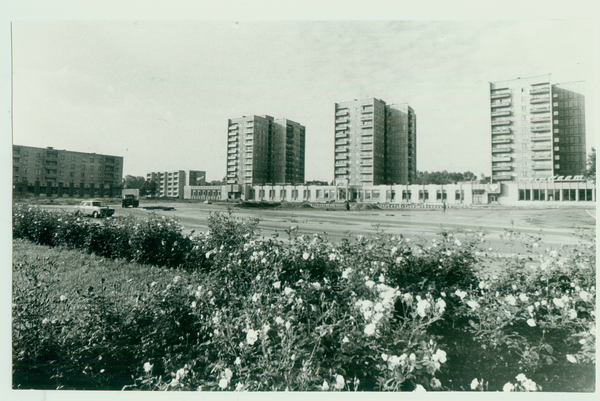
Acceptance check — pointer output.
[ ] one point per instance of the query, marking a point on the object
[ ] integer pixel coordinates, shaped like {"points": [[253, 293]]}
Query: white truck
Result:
{"points": [[131, 197]]}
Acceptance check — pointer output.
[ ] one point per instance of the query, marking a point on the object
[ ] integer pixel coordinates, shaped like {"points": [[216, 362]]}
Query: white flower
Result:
{"points": [[558, 302], [394, 250], [441, 305], [176, 279], [572, 314], [251, 337], [422, 306], [339, 382], [288, 325], [228, 374], [316, 286], [345, 340], [529, 385], [584, 295], [279, 320], [223, 383], [381, 278], [193, 304], [511, 300], [531, 322], [277, 285], [523, 297], [370, 284], [239, 387], [393, 361], [325, 386], [474, 384], [288, 290], [255, 298], [419, 389], [571, 358], [148, 367], [439, 356], [460, 294], [384, 357], [521, 377], [370, 329], [266, 328], [305, 255], [45, 321], [508, 387], [473, 304], [237, 361], [63, 298], [412, 358]]}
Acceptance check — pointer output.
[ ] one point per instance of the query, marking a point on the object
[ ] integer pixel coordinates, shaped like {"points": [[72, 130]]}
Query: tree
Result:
{"points": [[133, 182], [149, 188], [590, 173]]}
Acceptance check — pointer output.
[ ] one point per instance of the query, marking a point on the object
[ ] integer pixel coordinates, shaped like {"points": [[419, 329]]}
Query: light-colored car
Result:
{"points": [[94, 208]]}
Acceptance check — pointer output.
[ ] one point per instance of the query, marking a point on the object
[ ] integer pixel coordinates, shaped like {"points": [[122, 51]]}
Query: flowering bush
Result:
{"points": [[234, 313]]}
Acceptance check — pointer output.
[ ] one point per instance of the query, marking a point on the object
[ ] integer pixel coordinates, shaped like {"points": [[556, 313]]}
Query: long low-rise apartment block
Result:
{"points": [[53, 172], [170, 184]]}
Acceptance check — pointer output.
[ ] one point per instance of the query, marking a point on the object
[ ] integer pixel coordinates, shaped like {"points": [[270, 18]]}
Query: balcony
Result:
{"points": [[501, 122], [367, 125], [341, 120], [367, 139], [232, 145], [541, 109], [502, 150], [539, 90], [233, 163], [541, 156], [341, 149], [501, 168], [536, 138], [501, 113], [368, 147], [366, 117], [367, 155], [544, 119], [539, 99], [367, 109], [542, 167], [541, 128], [231, 157], [341, 157], [233, 127], [502, 159], [231, 151], [368, 170], [230, 175], [341, 127], [341, 142], [366, 178], [502, 130], [341, 171], [232, 139], [506, 103], [341, 135], [501, 177], [341, 113], [541, 147], [366, 163], [500, 95], [341, 163], [504, 140]]}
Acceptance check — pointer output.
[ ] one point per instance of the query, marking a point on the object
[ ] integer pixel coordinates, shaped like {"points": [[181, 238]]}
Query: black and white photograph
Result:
{"points": [[255, 203]]}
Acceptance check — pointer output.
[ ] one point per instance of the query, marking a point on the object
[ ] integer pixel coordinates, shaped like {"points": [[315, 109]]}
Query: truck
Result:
{"points": [[131, 197]]}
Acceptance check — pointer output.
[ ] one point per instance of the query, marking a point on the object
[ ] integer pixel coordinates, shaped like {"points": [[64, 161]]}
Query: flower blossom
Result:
{"points": [[325, 386], [531, 322], [223, 383], [571, 358], [473, 304], [474, 384], [251, 337], [148, 367], [422, 306], [419, 389], [277, 285], [511, 300], [439, 356], [339, 382], [370, 329], [508, 387]]}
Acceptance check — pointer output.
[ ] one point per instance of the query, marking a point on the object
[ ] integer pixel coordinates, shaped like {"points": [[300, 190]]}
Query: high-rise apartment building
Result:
{"points": [[375, 143], [51, 171], [170, 184], [264, 150], [538, 129]]}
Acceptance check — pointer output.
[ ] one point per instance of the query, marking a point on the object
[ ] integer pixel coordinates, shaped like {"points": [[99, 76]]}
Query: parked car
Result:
{"points": [[94, 208], [207, 202]]}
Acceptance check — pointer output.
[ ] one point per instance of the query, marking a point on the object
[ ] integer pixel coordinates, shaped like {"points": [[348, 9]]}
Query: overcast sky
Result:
{"points": [[160, 93]]}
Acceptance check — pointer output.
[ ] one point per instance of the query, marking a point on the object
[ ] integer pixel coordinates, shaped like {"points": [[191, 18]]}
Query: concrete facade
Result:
{"points": [[171, 184], [53, 172], [533, 191], [537, 129], [261, 149], [375, 143]]}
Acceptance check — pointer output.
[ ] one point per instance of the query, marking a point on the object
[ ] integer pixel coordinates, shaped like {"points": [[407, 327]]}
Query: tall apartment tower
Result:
{"points": [[263, 150], [375, 143], [538, 129]]}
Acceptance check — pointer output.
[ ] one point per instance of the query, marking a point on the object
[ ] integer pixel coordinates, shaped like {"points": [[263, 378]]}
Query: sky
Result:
{"points": [[159, 93]]}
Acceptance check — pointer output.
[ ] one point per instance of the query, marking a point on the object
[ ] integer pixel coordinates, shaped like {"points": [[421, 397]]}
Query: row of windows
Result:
{"points": [[556, 195]]}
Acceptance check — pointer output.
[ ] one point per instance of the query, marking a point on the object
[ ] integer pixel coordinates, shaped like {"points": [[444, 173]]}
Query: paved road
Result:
{"points": [[556, 225]]}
